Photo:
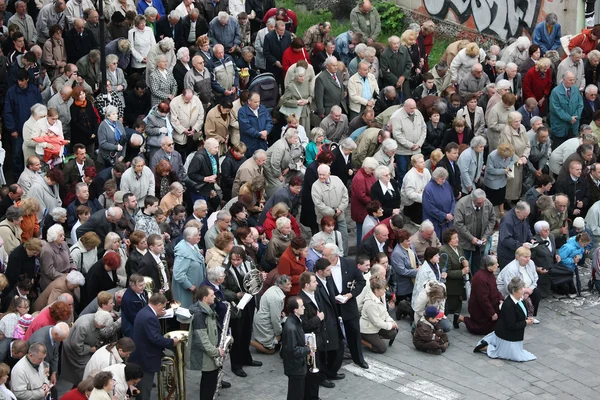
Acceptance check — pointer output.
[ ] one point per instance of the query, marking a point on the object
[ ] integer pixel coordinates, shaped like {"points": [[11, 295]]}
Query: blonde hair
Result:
{"points": [[472, 50], [280, 210], [522, 251], [544, 62], [30, 206], [436, 155], [408, 35], [505, 150]]}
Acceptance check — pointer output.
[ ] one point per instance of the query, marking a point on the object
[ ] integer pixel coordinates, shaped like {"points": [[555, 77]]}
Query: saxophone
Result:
{"points": [[171, 377], [225, 344]]}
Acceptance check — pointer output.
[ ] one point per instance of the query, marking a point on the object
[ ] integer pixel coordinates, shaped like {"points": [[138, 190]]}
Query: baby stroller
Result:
{"points": [[265, 85]]}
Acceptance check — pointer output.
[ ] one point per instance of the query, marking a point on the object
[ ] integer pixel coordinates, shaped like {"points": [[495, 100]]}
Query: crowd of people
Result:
{"points": [[224, 142]]}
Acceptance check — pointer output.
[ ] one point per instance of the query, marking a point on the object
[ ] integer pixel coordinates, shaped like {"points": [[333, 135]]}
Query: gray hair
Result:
{"points": [[75, 278], [282, 221], [426, 225], [189, 232], [380, 171], [174, 14], [102, 318], [110, 239], [500, 64], [491, 56], [551, 19], [114, 211], [222, 16], [109, 110], [522, 206], [511, 66], [282, 280], [588, 88], [290, 133], [222, 215], [439, 173], [576, 51], [371, 163], [37, 347], [333, 247], [247, 49], [503, 84], [336, 109], [330, 60], [299, 71], [316, 241], [489, 86], [441, 66], [360, 48], [535, 120], [378, 270], [488, 261], [348, 144], [441, 105], [150, 12], [389, 145], [258, 153], [479, 194], [54, 232], [271, 21], [515, 284], [214, 273], [593, 55], [58, 213], [159, 58], [370, 51], [478, 141], [198, 203], [39, 110], [175, 186], [182, 52], [540, 225], [14, 213], [136, 160], [112, 58]]}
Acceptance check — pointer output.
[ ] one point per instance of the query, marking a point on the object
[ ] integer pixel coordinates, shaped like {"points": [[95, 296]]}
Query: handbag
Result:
{"points": [[297, 110]]}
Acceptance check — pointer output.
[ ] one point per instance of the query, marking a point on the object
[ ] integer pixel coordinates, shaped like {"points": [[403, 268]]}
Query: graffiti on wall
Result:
{"points": [[502, 18]]}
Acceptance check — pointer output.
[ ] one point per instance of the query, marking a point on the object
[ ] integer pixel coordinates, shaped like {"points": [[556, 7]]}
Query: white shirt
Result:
{"points": [[380, 246], [526, 278], [385, 189], [312, 297], [255, 112], [80, 168], [336, 274], [163, 272]]}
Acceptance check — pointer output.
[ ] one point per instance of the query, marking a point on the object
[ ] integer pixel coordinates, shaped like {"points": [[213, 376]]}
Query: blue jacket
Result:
{"points": [[72, 209], [437, 202], [131, 304], [17, 105], [189, 269], [562, 108], [342, 46], [569, 250], [544, 40], [142, 5], [250, 127], [513, 233], [404, 275], [590, 245], [149, 341]]}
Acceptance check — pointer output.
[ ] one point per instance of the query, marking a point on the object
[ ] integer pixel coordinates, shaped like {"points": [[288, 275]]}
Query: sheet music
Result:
{"points": [[341, 298], [244, 300], [168, 314]]}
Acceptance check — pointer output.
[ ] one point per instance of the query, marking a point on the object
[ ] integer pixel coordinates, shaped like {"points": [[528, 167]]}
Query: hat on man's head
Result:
{"points": [[117, 17], [579, 223], [118, 198], [431, 312]]}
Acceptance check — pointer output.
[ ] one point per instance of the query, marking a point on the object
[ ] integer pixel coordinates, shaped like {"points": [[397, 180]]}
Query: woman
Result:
{"points": [[454, 263], [116, 77], [49, 151], [473, 116], [69, 283], [413, 186], [246, 63], [586, 40], [55, 260], [313, 148], [239, 216], [112, 353], [461, 65], [162, 83], [173, 198], [84, 253], [113, 242], [110, 98], [435, 132], [279, 210], [374, 216], [308, 217], [104, 386], [164, 176], [543, 184], [84, 120], [10, 230], [282, 237], [158, 125], [112, 138], [54, 54], [537, 83], [189, 270], [429, 270], [534, 56], [204, 50], [139, 248], [297, 96], [500, 164], [255, 187], [438, 201], [267, 325], [82, 342], [470, 164], [506, 341], [217, 256], [234, 158], [293, 263], [217, 123], [38, 111], [106, 200], [182, 66], [142, 39], [361, 185], [375, 320], [277, 169], [23, 261], [433, 294], [83, 389], [417, 55], [404, 269], [459, 133], [294, 53], [426, 35], [386, 191], [328, 233], [514, 133], [19, 307], [30, 224], [496, 119], [525, 269], [102, 275], [57, 312]]}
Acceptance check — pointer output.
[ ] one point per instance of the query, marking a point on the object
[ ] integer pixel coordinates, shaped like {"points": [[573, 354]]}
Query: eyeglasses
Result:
{"points": [[170, 144]]}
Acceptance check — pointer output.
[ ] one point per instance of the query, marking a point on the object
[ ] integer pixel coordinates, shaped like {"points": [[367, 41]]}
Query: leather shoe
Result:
{"points": [[327, 384], [455, 322], [225, 385], [255, 363], [337, 377], [480, 346], [240, 372], [363, 365]]}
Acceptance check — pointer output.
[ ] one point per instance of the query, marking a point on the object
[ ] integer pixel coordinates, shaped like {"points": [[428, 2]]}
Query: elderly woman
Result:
{"points": [[102, 275], [19, 306], [329, 234], [386, 191], [204, 50], [506, 342], [217, 123], [246, 62], [363, 181], [70, 283], [517, 52], [280, 209], [413, 186], [164, 176], [293, 263], [112, 138], [497, 118], [267, 326], [84, 121], [30, 224], [84, 253], [537, 83], [454, 263], [10, 228], [515, 134], [158, 125], [38, 111], [189, 270], [470, 163], [216, 256], [438, 201], [461, 65], [282, 236], [279, 159], [500, 164], [255, 187], [49, 147], [162, 83], [55, 260], [82, 342], [315, 145], [375, 321], [142, 39], [54, 55], [110, 354], [385, 155], [404, 265], [202, 173], [115, 76], [173, 198], [113, 242], [525, 269], [297, 98], [182, 66]]}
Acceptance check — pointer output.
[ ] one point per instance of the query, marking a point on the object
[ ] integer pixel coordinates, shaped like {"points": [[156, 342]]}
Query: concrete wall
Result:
{"points": [[501, 18]]}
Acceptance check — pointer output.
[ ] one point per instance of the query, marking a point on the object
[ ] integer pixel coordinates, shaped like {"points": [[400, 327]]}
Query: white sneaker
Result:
{"points": [[536, 321], [572, 295]]}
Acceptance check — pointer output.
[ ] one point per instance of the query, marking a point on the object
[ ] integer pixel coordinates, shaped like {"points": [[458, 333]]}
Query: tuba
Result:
{"points": [[171, 377], [225, 344], [253, 282], [149, 282]]}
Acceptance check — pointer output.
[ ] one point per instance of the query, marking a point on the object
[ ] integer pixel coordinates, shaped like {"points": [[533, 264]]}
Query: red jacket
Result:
{"points": [[583, 41], [292, 20], [292, 267], [290, 57], [270, 224], [536, 87], [42, 319], [73, 394], [361, 189]]}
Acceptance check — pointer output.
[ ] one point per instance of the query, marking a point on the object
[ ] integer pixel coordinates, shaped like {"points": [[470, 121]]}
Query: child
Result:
{"points": [[428, 336], [53, 146], [22, 325], [570, 255]]}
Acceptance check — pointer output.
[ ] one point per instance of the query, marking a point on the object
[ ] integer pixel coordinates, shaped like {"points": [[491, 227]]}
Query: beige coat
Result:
{"points": [[408, 133], [11, 234], [327, 198], [355, 87], [53, 52], [218, 128], [185, 116], [520, 141], [51, 293], [245, 173], [374, 315], [367, 145], [234, 125], [496, 121], [310, 77], [215, 258]]}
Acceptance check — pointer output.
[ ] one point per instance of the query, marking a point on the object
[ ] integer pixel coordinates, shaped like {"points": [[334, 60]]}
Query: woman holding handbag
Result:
{"points": [[297, 98]]}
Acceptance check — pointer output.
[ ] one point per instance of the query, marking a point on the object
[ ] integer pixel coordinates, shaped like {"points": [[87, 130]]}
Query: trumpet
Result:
{"points": [[311, 342]]}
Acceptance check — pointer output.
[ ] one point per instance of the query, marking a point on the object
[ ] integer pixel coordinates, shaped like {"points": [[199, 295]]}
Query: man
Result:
{"points": [[576, 189], [347, 280], [77, 8], [275, 43], [15, 192], [362, 90], [24, 22], [260, 40], [17, 105], [318, 60], [255, 125], [115, 172], [225, 30], [475, 219], [252, 167], [593, 183], [547, 34], [409, 131], [79, 41], [137, 102], [187, 118], [51, 337], [528, 111], [145, 220], [198, 79], [441, 77], [102, 222], [335, 125], [366, 20], [396, 64], [367, 144], [150, 342], [318, 33], [394, 224], [73, 170], [152, 265], [422, 239], [287, 16], [167, 152], [138, 179], [514, 79], [387, 98], [566, 106], [62, 103], [31, 175], [345, 45], [82, 198], [70, 78], [134, 299], [557, 218], [191, 28], [329, 88], [474, 83], [93, 24], [330, 197], [376, 243], [51, 14], [168, 27], [591, 104], [544, 255], [28, 379], [11, 351], [449, 162], [89, 69], [130, 209], [573, 64], [514, 232], [26, 63], [206, 335], [222, 224], [209, 9]]}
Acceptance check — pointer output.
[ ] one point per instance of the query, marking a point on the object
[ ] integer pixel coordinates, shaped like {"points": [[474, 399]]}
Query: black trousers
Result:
{"points": [[303, 387], [535, 297], [330, 361], [241, 330], [208, 384], [353, 337], [474, 257]]}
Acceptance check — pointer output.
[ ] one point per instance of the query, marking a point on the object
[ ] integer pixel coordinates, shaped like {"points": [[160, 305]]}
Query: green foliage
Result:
{"points": [[306, 19], [439, 47], [392, 18]]}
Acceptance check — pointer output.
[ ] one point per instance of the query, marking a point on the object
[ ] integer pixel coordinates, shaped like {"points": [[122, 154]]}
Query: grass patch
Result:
{"points": [[439, 47], [308, 19]]}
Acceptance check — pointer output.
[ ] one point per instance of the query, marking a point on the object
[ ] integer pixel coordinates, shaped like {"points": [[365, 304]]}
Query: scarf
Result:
{"points": [[81, 103], [234, 156], [118, 133]]}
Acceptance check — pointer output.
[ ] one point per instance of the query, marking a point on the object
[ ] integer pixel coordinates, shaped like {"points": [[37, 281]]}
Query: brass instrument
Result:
{"points": [[171, 377], [311, 342], [225, 344], [253, 282], [149, 286]]}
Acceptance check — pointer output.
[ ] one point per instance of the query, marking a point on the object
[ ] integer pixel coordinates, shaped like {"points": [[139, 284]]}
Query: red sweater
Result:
{"points": [[536, 87], [288, 265], [361, 195], [290, 57]]}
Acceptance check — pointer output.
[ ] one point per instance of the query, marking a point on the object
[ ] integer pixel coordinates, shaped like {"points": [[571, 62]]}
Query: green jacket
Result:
{"points": [[204, 337], [369, 25], [393, 65]]}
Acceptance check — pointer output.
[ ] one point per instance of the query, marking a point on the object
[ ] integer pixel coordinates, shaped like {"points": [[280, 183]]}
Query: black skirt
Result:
{"points": [[496, 196]]}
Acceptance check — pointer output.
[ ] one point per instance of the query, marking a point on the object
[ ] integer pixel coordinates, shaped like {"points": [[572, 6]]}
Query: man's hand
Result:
{"points": [[579, 204], [400, 81], [192, 288], [321, 315], [494, 317], [222, 352], [278, 65], [175, 341], [474, 241], [444, 275], [14, 134], [414, 147], [573, 120], [450, 217], [263, 135], [349, 296], [233, 49], [210, 179], [576, 211], [53, 378]]}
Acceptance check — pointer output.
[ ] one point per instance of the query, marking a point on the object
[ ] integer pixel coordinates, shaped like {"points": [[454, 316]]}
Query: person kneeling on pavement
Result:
{"points": [[375, 321], [428, 336]]}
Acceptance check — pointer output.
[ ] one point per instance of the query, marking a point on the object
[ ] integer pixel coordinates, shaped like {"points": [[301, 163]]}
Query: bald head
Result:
{"points": [[568, 79], [60, 331], [410, 106]]}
